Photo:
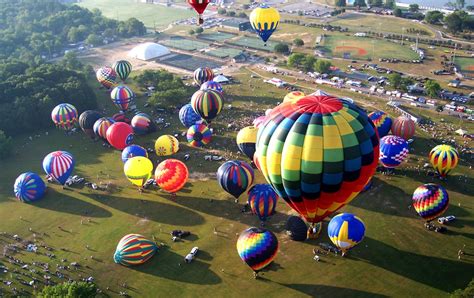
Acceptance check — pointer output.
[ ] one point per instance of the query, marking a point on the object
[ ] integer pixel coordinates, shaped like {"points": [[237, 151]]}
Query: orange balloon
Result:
{"points": [[171, 175]]}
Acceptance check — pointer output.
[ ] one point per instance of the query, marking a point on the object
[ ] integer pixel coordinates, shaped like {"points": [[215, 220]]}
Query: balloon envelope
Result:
{"points": [[120, 135], [382, 122], [64, 116], [262, 200], [59, 165], [346, 231], [138, 170], [87, 120], [264, 20], [106, 76], [444, 158], [293, 96], [187, 116], [132, 151], [166, 145], [430, 201], [142, 124], [403, 127], [134, 249], [207, 103], [211, 85], [297, 228], [257, 247], [246, 140], [101, 126], [121, 117], [393, 151], [198, 135], [235, 177], [202, 75], [123, 68], [122, 97], [29, 187], [171, 175]]}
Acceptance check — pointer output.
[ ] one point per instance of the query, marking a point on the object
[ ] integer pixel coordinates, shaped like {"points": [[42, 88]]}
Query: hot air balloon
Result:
{"points": [[171, 175], [122, 96], [262, 201], [296, 228], [142, 124], [120, 135], [121, 117], [403, 127], [29, 187], [188, 117], [346, 231], [393, 151], [101, 126], [87, 120], [207, 103], [199, 6], [317, 153], [59, 165], [293, 96], [64, 116], [314, 230], [122, 68], [138, 170], [199, 135], [134, 249], [257, 122], [257, 247], [444, 158], [166, 145], [106, 76], [430, 201], [202, 75], [235, 177], [264, 20], [133, 151], [246, 139], [211, 85], [382, 121]]}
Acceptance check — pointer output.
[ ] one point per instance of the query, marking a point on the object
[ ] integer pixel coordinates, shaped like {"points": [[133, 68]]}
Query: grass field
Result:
{"points": [[398, 257], [224, 52], [364, 48], [184, 44], [217, 36], [153, 16], [189, 62], [254, 43], [466, 64]]}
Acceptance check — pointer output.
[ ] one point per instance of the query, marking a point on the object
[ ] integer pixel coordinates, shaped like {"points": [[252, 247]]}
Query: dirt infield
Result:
{"points": [[360, 51], [470, 68]]}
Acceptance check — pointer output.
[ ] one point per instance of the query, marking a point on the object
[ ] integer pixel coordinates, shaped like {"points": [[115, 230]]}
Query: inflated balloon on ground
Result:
{"points": [[122, 97], [444, 158], [257, 247], [346, 231], [199, 135], [59, 165], [403, 127], [142, 124], [64, 116], [262, 201], [166, 145], [87, 120], [120, 135], [202, 75], [235, 177], [246, 141], [171, 175], [29, 187], [393, 151], [132, 151], [101, 126], [106, 76], [138, 170], [188, 117], [134, 249], [430, 201]]}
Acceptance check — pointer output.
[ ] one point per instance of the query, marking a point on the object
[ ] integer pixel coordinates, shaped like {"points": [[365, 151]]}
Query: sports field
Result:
{"points": [[184, 44], [223, 52], [466, 64], [189, 62], [217, 36], [153, 16], [363, 48], [254, 43]]}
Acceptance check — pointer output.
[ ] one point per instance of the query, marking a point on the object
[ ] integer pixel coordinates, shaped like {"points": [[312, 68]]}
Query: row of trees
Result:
{"points": [[308, 63], [390, 4], [231, 13], [401, 83]]}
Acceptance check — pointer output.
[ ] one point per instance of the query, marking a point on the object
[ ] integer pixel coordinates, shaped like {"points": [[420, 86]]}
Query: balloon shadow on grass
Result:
{"points": [[61, 202], [443, 274], [152, 210], [315, 290], [455, 183]]}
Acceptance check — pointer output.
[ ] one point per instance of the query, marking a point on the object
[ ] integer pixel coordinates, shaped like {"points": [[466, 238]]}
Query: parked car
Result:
{"points": [[449, 218], [190, 256]]}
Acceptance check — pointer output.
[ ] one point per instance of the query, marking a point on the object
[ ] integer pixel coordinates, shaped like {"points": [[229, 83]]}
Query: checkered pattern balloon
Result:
{"points": [[393, 151]]}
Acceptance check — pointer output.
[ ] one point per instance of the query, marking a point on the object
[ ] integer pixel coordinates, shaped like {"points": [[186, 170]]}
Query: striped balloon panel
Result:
{"points": [[142, 124], [382, 122], [171, 175], [123, 68], [207, 103], [403, 127], [203, 74], [257, 248], [346, 230], [134, 249], [29, 187], [317, 153], [430, 201], [101, 126], [187, 116], [122, 96], [262, 200], [59, 165], [106, 76], [235, 177], [198, 135], [393, 151], [64, 116], [211, 85], [444, 158]]}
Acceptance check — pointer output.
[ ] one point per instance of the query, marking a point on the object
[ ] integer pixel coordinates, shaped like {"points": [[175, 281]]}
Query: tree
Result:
{"points": [[322, 66], [71, 62], [460, 4], [390, 4], [453, 22], [94, 40], [439, 108], [341, 3], [414, 7], [359, 3], [464, 293], [434, 17], [222, 11], [432, 88], [191, 32], [395, 80], [231, 13], [309, 63], [199, 30], [298, 42], [296, 60], [397, 12], [5, 145], [70, 290], [282, 48], [376, 3]]}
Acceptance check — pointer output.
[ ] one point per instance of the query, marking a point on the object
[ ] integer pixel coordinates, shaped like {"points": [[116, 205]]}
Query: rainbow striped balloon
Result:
{"points": [[346, 231], [203, 74], [134, 249], [122, 96], [199, 135], [403, 127], [430, 201], [207, 103], [29, 187], [262, 200], [444, 158], [59, 165], [171, 175], [106, 76], [382, 122], [257, 247], [101, 126], [235, 177], [64, 116]]}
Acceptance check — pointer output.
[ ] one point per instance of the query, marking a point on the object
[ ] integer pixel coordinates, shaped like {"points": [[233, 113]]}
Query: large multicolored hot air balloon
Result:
{"points": [[187, 116], [264, 20], [317, 153], [199, 135], [257, 247], [199, 6], [346, 231], [138, 170], [235, 177], [246, 140], [207, 103], [59, 165], [202, 75], [122, 68], [120, 135], [403, 127], [296, 228], [171, 175], [430, 201], [64, 116], [134, 249], [293, 96], [262, 200], [106, 76], [257, 122], [444, 158], [211, 85], [166, 145], [393, 151], [382, 122], [133, 151], [121, 117], [142, 124], [87, 120], [122, 97], [101, 126], [29, 187]]}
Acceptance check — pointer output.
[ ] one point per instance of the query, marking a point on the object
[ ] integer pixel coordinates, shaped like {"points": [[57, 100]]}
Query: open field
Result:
{"points": [[153, 16], [466, 64], [184, 44], [223, 52], [188, 62], [217, 36], [254, 43]]}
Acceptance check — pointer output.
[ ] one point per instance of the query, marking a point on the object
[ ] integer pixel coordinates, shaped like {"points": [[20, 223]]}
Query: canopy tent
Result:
{"points": [[221, 79], [148, 51]]}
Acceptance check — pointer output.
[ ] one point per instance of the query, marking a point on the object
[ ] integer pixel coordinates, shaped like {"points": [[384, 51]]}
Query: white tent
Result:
{"points": [[148, 50], [461, 132], [221, 79]]}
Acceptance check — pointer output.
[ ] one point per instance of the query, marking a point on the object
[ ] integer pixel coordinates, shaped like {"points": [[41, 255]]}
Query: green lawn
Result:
{"points": [[466, 64], [184, 44], [254, 43], [217, 36], [398, 257], [153, 16], [224, 52]]}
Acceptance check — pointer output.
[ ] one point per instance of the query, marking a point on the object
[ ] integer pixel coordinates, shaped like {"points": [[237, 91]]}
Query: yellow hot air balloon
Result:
{"points": [[293, 96], [444, 158], [264, 21], [138, 170], [166, 145], [246, 139]]}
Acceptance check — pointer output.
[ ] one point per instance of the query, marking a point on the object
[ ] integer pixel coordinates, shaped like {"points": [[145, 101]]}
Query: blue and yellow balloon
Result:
{"points": [[264, 20], [346, 231]]}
